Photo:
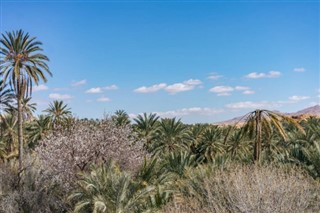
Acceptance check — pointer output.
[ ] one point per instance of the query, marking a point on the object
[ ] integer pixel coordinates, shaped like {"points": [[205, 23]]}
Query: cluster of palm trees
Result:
{"points": [[265, 137], [177, 151], [34, 128]]}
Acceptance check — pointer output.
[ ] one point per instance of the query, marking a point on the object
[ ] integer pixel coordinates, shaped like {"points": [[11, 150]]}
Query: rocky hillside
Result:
{"points": [[301, 114]]}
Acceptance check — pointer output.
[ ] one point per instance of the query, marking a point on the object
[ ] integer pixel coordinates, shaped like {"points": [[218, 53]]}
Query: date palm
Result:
{"points": [[171, 136], [238, 145], [107, 189], [9, 135], [211, 143], [265, 122], [147, 127], [58, 113], [37, 130], [22, 64]]}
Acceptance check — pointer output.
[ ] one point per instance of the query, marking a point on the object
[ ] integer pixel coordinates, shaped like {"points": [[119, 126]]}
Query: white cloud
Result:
{"points": [[187, 111], [193, 82], [103, 99], [172, 89], [252, 105], [94, 90], [226, 90], [298, 98], [79, 83], [153, 88], [214, 77], [60, 96], [178, 87], [221, 89], [271, 74], [224, 94], [299, 69], [111, 87], [190, 111], [248, 92], [240, 88], [40, 87]]}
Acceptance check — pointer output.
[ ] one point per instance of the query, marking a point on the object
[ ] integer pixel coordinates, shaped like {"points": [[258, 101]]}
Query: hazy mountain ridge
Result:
{"points": [[301, 114]]}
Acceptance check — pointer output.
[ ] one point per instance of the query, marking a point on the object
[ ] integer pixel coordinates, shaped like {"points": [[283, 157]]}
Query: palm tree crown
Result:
{"points": [[21, 61], [58, 112]]}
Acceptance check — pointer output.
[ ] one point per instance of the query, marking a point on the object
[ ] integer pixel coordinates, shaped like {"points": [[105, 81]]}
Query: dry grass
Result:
{"points": [[248, 189]]}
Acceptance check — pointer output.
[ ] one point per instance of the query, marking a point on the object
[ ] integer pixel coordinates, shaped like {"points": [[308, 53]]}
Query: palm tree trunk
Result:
{"points": [[257, 145], [20, 133]]}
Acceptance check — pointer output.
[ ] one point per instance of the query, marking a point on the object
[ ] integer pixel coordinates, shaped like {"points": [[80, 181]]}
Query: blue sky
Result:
{"points": [[201, 61]]}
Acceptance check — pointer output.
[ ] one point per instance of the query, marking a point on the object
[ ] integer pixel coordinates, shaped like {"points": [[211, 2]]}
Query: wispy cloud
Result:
{"points": [[79, 83], [183, 87], [226, 90], [245, 90], [111, 87], [40, 87], [271, 74], [299, 69], [179, 87], [172, 89], [151, 89], [103, 99], [248, 92], [297, 98], [252, 105], [241, 88], [193, 82], [187, 111], [214, 77], [94, 90], [60, 96], [221, 89]]}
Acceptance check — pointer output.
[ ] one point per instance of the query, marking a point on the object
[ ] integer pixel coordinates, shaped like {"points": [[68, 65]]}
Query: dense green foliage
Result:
{"points": [[180, 161]]}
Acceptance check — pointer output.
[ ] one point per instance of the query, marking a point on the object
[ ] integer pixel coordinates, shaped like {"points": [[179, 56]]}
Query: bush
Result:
{"points": [[247, 189], [31, 192]]}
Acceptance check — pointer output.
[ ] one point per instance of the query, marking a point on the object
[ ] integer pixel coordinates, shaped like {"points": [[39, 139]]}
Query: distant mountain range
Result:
{"points": [[301, 114]]}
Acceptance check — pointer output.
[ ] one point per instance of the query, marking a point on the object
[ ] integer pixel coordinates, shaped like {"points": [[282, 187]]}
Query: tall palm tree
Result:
{"points": [[147, 127], [266, 122], [58, 113], [22, 64]]}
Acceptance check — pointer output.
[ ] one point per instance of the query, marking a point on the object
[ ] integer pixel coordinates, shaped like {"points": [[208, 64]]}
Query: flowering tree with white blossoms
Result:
{"points": [[84, 143]]}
